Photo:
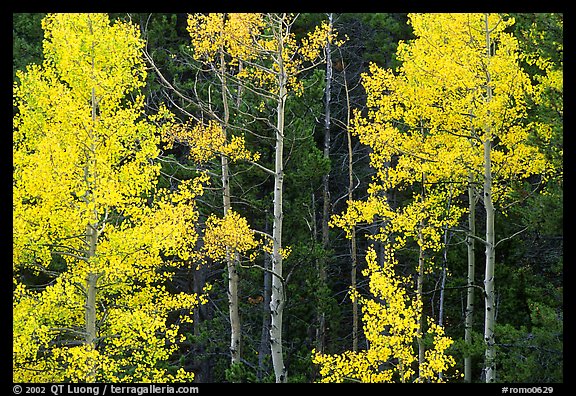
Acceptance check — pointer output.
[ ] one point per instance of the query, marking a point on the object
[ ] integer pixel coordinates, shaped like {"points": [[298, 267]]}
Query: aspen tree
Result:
{"points": [[89, 217], [262, 58], [353, 242], [404, 154], [322, 275], [271, 61], [213, 36], [461, 75], [487, 93]]}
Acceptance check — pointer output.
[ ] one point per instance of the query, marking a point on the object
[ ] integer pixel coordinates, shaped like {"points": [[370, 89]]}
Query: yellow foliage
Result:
{"points": [[231, 32], [391, 323], [359, 212], [427, 121], [229, 235], [426, 124], [205, 142], [84, 167], [256, 40]]}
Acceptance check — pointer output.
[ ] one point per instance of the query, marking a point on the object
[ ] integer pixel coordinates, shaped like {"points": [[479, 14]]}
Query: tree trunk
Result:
{"points": [[91, 242], [489, 318], [443, 277], [469, 314], [90, 314], [321, 330], [420, 279], [233, 278], [264, 349], [278, 298], [353, 248], [235, 329], [419, 290]]}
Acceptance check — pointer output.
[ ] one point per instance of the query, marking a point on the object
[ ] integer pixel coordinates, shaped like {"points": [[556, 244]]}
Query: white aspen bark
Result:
{"points": [[233, 278], [90, 311], [264, 349], [321, 330], [354, 282], [489, 318], [420, 279], [235, 328], [444, 276], [470, 279], [278, 298]]}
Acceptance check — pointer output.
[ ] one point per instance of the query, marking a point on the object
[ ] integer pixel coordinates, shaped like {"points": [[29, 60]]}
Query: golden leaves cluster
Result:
{"points": [[391, 325], [255, 40], [229, 235], [205, 142], [427, 120], [234, 33], [75, 55]]}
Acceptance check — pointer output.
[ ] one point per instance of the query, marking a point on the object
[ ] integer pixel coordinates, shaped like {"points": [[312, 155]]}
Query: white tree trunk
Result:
{"points": [[489, 314], [233, 278], [489, 317], [278, 298], [469, 314]]}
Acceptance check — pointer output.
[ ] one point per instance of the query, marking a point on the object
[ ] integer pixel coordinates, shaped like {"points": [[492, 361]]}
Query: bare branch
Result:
{"points": [[511, 236]]}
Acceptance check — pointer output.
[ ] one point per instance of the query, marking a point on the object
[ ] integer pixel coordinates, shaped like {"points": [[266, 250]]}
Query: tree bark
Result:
{"points": [[264, 349], [90, 307], [232, 268], [353, 242], [471, 248], [321, 330], [91, 243], [420, 275], [419, 290], [489, 315], [278, 298], [489, 318], [444, 275]]}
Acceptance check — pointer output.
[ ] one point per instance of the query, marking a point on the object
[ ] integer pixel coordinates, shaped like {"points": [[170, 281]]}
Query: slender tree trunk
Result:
{"points": [[419, 290], [321, 329], [354, 284], [470, 281], [443, 279], [443, 275], [353, 242], [90, 312], [420, 279], [232, 268], [278, 298], [90, 308], [264, 349], [489, 318], [91, 243]]}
